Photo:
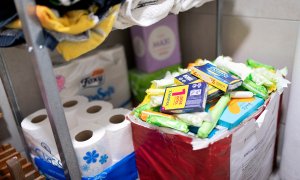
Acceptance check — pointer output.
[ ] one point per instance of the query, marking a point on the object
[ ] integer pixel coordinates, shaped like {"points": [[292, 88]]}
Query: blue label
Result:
{"points": [[103, 94], [186, 78], [122, 170], [217, 73], [196, 97]]}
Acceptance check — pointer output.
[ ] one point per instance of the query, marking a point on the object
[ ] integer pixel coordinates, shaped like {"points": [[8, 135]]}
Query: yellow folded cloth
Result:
{"points": [[16, 24], [73, 22], [70, 50]]}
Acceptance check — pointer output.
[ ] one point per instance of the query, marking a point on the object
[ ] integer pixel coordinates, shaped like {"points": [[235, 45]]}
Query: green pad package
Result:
{"points": [[140, 81], [216, 113], [255, 64], [258, 90], [167, 122]]}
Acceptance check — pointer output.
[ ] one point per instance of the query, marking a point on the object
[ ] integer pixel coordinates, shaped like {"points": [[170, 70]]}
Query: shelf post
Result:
{"points": [[47, 83]]}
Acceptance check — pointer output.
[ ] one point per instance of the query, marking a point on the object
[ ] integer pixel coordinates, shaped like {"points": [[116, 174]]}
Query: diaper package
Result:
{"points": [[95, 77]]}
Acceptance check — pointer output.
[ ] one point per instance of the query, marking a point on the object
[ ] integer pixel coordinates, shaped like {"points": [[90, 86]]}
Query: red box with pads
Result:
{"points": [[245, 152]]}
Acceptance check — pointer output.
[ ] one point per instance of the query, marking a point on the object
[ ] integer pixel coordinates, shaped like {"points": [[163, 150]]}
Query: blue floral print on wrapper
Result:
{"points": [[91, 157], [85, 167], [103, 159]]}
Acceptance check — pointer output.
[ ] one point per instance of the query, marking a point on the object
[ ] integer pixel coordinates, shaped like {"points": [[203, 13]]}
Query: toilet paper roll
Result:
{"points": [[93, 111], [37, 130], [71, 105], [118, 131], [91, 148]]}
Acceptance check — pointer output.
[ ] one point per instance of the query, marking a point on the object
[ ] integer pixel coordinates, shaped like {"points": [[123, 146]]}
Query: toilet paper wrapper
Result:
{"points": [[92, 150], [37, 130], [71, 105], [118, 130]]}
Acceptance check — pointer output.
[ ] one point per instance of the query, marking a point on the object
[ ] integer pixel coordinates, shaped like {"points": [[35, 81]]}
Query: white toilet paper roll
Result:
{"points": [[37, 129], [71, 105], [91, 148], [119, 134], [93, 111]]}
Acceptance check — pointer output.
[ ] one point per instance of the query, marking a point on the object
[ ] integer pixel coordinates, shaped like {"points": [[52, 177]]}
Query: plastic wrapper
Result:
{"points": [[156, 100], [216, 113], [122, 170], [167, 122], [241, 94], [195, 119], [258, 90], [255, 64], [238, 69]]}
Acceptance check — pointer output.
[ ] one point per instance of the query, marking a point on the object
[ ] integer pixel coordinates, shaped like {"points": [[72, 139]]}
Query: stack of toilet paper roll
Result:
{"points": [[101, 135]]}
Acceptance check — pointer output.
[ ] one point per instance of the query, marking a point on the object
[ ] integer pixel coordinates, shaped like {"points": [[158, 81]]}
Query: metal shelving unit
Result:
{"points": [[44, 75]]}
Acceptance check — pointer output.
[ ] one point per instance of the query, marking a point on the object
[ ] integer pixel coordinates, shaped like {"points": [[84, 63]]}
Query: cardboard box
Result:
{"points": [[156, 46], [246, 152]]}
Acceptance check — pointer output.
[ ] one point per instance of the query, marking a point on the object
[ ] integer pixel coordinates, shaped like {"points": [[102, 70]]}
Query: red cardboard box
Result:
{"points": [[246, 152]]}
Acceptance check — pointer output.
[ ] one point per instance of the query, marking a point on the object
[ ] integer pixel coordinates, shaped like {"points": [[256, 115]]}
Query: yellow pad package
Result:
{"points": [[185, 99]]}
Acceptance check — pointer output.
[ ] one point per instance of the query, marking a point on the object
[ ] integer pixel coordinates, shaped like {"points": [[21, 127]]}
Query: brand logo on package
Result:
{"points": [[162, 43], [95, 79]]}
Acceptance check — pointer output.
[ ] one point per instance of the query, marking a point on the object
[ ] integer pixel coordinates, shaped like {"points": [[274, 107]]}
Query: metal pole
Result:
{"points": [[219, 28], [47, 83], [9, 102]]}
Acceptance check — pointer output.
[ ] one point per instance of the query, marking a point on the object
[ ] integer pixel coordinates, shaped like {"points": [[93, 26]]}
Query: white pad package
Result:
{"points": [[99, 76]]}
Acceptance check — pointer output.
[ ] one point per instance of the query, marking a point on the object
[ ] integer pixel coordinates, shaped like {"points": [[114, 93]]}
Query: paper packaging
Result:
{"points": [[71, 105], [37, 130], [92, 111], [185, 99], [216, 77], [188, 78], [238, 110], [118, 131], [156, 46], [95, 77], [244, 153], [91, 148]]}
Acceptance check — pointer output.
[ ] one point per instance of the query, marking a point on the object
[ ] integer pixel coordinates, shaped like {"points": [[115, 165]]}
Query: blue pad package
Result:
{"points": [[237, 111]]}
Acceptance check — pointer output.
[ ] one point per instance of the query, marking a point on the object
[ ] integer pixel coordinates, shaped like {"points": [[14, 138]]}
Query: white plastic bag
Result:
{"points": [[100, 76]]}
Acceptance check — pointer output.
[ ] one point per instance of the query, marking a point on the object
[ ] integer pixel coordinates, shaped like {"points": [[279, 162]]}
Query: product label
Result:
{"points": [[216, 77], [188, 78], [176, 97], [162, 43], [94, 83], [95, 79], [252, 148], [102, 94], [187, 98]]}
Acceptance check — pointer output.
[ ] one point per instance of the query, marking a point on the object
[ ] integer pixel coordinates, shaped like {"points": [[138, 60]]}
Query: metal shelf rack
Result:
{"points": [[44, 75]]}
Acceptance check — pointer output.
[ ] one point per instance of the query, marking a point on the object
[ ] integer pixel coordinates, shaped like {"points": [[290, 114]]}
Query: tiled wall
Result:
{"points": [[263, 30]]}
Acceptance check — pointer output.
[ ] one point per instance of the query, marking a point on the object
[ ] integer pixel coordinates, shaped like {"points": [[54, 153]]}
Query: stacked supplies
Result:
{"points": [[71, 27], [209, 98], [95, 77], [101, 135]]}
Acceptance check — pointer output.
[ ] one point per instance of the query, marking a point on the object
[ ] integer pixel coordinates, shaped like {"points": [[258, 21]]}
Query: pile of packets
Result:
{"points": [[210, 98]]}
